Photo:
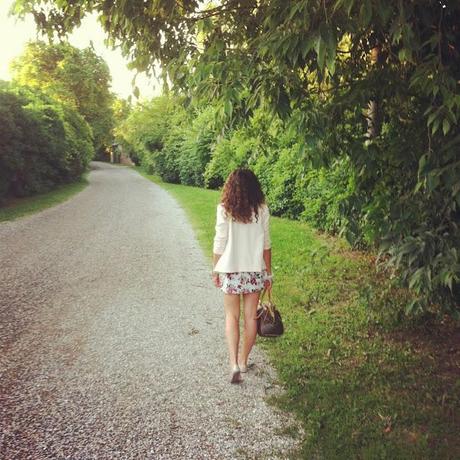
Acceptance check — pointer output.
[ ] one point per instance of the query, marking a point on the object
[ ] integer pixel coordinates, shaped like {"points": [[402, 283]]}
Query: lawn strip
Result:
{"points": [[19, 207]]}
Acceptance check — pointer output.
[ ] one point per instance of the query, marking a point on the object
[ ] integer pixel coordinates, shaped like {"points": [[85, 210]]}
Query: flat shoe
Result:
{"points": [[236, 375], [243, 368]]}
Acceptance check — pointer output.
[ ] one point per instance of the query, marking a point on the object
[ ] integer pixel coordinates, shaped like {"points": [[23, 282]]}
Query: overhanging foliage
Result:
{"points": [[376, 81]]}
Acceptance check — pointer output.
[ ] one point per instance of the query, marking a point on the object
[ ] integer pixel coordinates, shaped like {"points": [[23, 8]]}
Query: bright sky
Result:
{"points": [[14, 34]]}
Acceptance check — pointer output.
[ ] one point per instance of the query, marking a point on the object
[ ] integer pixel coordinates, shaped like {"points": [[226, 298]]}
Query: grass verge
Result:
{"points": [[362, 390], [18, 207]]}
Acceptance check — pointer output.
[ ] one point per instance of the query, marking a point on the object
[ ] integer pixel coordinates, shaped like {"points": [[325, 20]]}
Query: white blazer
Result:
{"points": [[241, 245]]}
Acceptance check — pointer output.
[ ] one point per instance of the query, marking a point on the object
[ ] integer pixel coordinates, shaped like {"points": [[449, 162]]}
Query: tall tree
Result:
{"points": [[43, 143], [78, 78], [315, 57]]}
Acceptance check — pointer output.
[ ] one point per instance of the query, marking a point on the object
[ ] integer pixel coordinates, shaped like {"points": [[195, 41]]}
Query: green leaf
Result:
{"points": [[436, 124], [338, 4], [331, 48], [422, 162], [228, 108], [346, 4], [410, 307], [307, 45], [432, 180], [405, 54], [419, 185], [283, 104], [416, 278], [295, 8], [431, 117], [321, 52], [445, 126], [451, 116], [350, 6], [330, 64], [365, 13]]}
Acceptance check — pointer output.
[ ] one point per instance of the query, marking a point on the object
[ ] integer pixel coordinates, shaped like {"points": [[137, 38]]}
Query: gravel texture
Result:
{"points": [[111, 336]]}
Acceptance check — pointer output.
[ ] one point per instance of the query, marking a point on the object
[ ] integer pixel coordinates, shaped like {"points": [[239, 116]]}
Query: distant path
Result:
{"points": [[111, 336]]}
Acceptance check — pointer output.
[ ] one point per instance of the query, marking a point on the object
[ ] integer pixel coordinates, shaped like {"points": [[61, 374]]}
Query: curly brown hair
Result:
{"points": [[242, 195]]}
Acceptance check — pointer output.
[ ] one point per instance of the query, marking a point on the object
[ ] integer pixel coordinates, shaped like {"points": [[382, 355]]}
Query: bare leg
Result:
{"points": [[232, 325], [250, 302]]}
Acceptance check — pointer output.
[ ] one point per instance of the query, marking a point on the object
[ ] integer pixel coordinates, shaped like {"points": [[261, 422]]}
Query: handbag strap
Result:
{"points": [[263, 295], [267, 307]]}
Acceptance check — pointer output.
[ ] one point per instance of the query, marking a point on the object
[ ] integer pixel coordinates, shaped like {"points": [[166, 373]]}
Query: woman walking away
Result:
{"points": [[242, 260]]}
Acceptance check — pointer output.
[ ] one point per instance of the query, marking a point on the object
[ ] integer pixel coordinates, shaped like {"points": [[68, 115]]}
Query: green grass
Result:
{"points": [[362, 390], [19, 207]]}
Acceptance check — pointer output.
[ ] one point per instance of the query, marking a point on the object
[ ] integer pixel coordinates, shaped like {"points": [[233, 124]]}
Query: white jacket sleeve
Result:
{"points": [[221, 237], [266, 224]]}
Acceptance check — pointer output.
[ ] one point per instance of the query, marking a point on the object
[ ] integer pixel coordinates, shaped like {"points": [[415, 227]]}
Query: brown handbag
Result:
{"points": [[269, 322]]}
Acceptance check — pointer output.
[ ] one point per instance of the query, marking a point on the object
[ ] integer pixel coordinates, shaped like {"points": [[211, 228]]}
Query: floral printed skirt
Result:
{"points": [[242, 282]]}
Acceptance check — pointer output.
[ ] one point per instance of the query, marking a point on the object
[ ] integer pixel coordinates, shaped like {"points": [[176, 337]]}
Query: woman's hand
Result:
{"points": [[216, 279], [268, 282]]}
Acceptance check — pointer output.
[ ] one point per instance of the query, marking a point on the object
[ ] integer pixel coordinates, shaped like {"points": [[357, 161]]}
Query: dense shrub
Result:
{"points": [[42, 143], [144, 133], [325, 193], [78, 144], [337, 180], [285, 177], [170, 141], [228, 154], [194, 152]]}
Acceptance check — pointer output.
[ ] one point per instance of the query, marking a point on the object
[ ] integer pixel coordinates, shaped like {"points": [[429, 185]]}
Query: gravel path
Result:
{"points": [[111, 336]]}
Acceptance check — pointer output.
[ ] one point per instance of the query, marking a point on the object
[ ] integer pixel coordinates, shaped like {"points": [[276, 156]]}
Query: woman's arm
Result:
{"points": [[215, 275], [267, 248], [268, 265], [221, 235], [215, 259], [220, 241], [268, 260]]}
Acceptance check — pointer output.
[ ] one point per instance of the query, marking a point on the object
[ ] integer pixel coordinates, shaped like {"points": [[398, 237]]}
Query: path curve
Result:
{"points": [[111, 340]]}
